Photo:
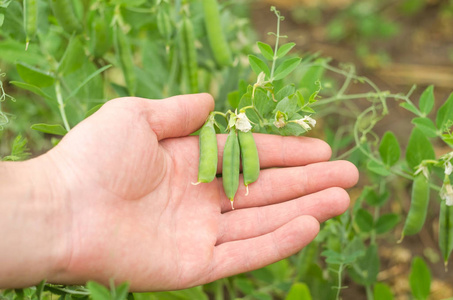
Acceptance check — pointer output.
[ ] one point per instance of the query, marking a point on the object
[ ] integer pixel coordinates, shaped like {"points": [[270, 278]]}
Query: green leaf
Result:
{"points": [[425, 125], [420, 279], [32, 88], [286, 67], [93, 110], [245, 285], [386, 222], [299, 291], [258, 65], [287, 105], [366, 268], [389, 149], [264, 104], [364, 220], [377, 168], [445, 113], [410, 107], [50, 128], [418, 148], [34, 76], [426, 101], [285, 91], [121, 291], [98, 291], [19, 150], [284, 49], [233, 98], [382, 292], [70, 61], [266, 50]]}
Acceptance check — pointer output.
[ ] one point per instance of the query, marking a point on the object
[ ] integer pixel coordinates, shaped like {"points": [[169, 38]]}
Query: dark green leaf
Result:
{"points": [[420, 279], [286, 67], [50, 128], [258, 65], [364, 220], [284, 49], [382, 292], [426, 126], [389, 149], [98, 291], [386, 223], [445, 113], [298, 291], [266, 50], [34, 76], [418, 148], [426, 101]]}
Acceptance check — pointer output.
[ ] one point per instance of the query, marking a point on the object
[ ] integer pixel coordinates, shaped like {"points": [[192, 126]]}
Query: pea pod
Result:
{"points": [[446, 231], [30, 19], [189, 54], [207, 166], [419, 206], [64, 12], [230, 166], [249, 156], [217, 41], [124, 53]]}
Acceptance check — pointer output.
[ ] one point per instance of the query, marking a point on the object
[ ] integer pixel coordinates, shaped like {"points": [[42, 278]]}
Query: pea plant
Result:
{"points": [[159, 48]]}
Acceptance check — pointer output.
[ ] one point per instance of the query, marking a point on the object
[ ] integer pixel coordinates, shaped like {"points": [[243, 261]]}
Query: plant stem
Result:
{"points": [[61, 105]]}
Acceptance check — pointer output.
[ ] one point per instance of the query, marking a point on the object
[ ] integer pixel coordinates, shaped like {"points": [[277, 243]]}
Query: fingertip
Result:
{"points": [[351, 173]]}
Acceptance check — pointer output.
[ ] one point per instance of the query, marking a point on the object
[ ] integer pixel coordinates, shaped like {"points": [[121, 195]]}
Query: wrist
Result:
{"points": [[32, 222]]}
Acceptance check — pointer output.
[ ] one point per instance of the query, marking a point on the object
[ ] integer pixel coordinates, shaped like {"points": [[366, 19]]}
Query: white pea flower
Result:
{"points": [[280, 120], [446, 193], [243, 123], [306, 122], [448, 167], [422, 169]]}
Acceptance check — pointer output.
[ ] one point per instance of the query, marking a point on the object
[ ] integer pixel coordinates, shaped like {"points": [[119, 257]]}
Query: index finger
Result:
{"points": [[284, 151]]}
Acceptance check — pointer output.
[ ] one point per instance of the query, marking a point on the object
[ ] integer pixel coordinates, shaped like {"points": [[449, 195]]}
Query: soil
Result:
{"points": [[422, 54]]}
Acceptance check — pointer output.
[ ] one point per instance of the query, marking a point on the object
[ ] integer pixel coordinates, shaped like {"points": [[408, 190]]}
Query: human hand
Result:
{"points": [[133, 215]]}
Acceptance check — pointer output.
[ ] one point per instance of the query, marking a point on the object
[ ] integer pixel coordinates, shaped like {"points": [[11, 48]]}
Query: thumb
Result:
{"points": [[179, 115]]}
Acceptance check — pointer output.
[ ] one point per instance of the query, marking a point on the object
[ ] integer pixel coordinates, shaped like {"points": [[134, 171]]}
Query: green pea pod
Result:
{"points": [[207, 166], [231, 165], [217, 41], [164, 23], [64, 12], [419, 206], [30, 19], [100, 36], [124, 53], [249, 156], [189, 54], [445, 231]]}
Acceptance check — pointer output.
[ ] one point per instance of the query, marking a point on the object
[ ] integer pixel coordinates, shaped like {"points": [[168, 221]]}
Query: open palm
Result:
{"points": [[134, 215]]}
